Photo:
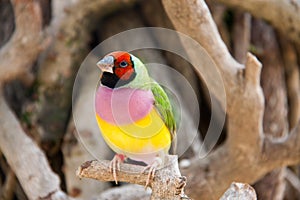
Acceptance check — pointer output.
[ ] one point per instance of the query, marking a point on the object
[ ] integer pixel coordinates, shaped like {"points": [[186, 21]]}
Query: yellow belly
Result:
{"points": [[148, 135]]}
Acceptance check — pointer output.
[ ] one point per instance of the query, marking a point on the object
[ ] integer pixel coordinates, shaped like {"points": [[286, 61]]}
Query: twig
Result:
{"points": [[284, 15], [26, 159], [167, 183]]}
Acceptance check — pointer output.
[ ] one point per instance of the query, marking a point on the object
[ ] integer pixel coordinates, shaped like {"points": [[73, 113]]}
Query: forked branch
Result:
{"points": [[250, 152]]}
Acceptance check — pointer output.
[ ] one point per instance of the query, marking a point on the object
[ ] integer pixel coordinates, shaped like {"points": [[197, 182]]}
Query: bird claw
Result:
{"points": [[151, 173], [114, 165], [180, 187], [152, 169], [180, 184]]}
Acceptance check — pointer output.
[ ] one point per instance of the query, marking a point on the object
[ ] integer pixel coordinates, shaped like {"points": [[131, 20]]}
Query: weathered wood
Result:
{"points": [[164, 185], [248, 150], [26, 159]]}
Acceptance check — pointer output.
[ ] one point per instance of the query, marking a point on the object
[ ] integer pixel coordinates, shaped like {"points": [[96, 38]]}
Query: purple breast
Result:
{"points": [[123, 106]]}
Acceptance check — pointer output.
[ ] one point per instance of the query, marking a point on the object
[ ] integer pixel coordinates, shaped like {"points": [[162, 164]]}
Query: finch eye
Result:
{"points": [[123, 64]]}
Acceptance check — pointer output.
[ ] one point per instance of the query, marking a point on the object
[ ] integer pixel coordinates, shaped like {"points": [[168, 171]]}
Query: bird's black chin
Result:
{"points": [[112, 81]]}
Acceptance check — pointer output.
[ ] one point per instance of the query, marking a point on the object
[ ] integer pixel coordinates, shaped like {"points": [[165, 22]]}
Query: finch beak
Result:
{"points": [[106, 64]]}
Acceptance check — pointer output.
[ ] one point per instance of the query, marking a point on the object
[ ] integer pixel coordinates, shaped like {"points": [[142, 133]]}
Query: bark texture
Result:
{"points": [[165, 183]]}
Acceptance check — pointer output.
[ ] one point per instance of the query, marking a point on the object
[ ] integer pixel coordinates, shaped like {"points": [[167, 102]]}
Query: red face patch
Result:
{"points": [[123, 64]]}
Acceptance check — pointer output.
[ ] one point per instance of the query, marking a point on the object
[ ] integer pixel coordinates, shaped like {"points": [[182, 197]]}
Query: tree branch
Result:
{"points": [[202, 28], [26, 159], [275, 124], [242, 82], [26, 43], [165, 184], [245, 109], [284, 15]]}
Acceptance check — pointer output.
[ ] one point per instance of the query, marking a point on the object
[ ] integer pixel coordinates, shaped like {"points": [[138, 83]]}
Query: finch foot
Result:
{"points": [[180, 187], [152, 168], [180, 184], [115, 165]]}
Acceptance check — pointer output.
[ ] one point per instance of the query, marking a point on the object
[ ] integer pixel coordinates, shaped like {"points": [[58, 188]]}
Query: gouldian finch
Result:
{"points": [[133, 112]]}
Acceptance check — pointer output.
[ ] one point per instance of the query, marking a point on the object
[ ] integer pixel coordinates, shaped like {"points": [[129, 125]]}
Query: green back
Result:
{"points": [[163, 105]]}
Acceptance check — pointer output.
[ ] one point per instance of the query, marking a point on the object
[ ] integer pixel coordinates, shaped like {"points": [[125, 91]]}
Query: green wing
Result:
{"points": [[163, 105]]}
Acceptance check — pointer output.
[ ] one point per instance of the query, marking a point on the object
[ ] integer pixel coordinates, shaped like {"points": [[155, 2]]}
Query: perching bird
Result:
{"points": [[133, 112]]}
